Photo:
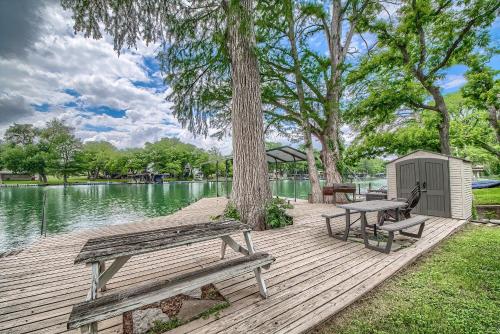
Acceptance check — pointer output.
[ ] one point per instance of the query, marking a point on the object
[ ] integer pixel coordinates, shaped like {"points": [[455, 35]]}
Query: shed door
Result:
{"points": [[433, 177], [407, 176], [435, 183]]}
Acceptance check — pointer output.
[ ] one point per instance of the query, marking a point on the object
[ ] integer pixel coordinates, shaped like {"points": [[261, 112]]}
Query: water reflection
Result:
{"points": [[78, 207]]}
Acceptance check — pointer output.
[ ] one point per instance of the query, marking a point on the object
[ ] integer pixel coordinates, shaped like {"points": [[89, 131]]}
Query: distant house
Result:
{"points": [[7, 175], [478, 171]]}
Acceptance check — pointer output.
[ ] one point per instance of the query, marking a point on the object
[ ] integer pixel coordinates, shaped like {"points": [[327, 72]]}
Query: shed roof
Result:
{"points": [[430, 152], [282, 154], [285, 154]]}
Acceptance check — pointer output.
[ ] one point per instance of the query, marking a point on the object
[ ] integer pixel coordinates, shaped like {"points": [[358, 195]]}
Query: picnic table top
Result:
{"points": [[119, 245], [370, 206]]}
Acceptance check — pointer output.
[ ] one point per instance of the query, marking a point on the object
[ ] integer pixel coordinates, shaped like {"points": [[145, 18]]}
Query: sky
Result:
{"points": [[46, 71]]}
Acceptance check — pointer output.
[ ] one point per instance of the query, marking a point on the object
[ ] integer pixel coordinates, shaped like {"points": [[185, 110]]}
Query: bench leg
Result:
{"points": [[105, 276], [94, 286], [258, 272], [364, 233], [388, 245], [347, 227], [102, 269], [228, 241], [414, 235], [329, 227], [223, 250]]}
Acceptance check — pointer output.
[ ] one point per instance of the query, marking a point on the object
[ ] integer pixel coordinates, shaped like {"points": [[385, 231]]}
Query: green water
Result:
{"points": [[79, 207]]}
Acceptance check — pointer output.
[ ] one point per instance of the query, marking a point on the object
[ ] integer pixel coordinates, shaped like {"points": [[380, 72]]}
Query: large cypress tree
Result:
{"points": [[205, 45]]}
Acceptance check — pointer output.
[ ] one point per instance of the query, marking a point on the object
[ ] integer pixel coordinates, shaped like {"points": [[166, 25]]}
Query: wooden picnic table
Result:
{"points": [[120, 248], [363, 208]]}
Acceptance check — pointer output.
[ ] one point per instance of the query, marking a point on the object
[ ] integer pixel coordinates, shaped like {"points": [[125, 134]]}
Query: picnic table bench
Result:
{"points": [[400, 226], [120, 248], [376, 206]]}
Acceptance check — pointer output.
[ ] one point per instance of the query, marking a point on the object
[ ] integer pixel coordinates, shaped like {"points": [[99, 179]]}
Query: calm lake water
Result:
{"points": [[79, 207]]}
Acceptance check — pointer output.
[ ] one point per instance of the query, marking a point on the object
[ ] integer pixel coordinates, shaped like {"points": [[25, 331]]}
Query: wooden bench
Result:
{"points": [[120, 248], [109, 306], [399, 227], [329, 217]]}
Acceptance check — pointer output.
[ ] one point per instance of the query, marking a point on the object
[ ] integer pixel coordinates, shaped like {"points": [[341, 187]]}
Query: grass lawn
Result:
{"points": [[455, 289], [19, 182], [52, 180], [486, 196]]}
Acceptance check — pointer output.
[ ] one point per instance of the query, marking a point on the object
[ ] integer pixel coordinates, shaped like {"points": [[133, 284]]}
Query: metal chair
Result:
{"points": [[405, 213]]}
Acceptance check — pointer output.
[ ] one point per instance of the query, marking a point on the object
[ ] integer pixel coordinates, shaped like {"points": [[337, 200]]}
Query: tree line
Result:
{"points": [[55, 150], [307, 69]]}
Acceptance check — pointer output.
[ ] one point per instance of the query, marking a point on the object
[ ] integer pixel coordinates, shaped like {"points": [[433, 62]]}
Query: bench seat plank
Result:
{"points": [[111, 247], [336, 215], [403, 224], [116, 304]]}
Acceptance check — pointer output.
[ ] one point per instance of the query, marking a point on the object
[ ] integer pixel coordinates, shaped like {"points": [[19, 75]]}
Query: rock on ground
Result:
{"points": [[196, 293], [143, 320], [192, 308]]}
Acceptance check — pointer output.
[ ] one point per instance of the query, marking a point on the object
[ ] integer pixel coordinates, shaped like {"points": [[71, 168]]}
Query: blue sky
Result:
{"points": [[49, 72]]}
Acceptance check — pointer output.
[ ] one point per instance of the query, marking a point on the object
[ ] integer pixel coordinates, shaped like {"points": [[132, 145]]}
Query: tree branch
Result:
{"points": [[459, 39], [421, 38], [423, 106]]}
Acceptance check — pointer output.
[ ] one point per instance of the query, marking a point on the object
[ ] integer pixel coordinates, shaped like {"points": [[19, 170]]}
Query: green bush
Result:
{"points": [[275, 213], [231, 212]]}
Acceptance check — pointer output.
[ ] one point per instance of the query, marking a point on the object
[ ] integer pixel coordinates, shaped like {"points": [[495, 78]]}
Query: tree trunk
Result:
{"points": [[251, 190], [493, 118], [444, 132], [444, 126], [329, 139], [43, 177], [316, 194], [329, 157], [65, 178]]}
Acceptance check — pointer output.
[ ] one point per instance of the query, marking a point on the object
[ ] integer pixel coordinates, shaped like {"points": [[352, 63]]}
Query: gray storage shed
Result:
{"points": [[445, 181]]}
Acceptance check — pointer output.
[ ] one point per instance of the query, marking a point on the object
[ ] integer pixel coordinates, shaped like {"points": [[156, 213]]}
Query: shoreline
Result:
{"points": [[22, 185], [77, 183]]}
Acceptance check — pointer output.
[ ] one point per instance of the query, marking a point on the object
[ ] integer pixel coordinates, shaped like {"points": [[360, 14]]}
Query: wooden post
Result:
{"points": [[227, 173], [43, 229], [276, 176], [295, 179], [217, 177]]}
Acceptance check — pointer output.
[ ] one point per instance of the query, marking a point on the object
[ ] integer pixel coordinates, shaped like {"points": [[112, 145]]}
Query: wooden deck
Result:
{"points": [[314, 276]]}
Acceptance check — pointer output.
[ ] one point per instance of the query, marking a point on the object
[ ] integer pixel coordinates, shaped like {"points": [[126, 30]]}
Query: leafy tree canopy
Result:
{"points": [[415, 47]]}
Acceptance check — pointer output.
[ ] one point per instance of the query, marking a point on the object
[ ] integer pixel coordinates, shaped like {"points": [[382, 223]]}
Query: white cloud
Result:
{"points": [[452, 81], [60, 60]]}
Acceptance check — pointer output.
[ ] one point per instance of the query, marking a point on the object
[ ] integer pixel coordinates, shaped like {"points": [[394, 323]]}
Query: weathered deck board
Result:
{"points": [[314, 276], [111, 247]]}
